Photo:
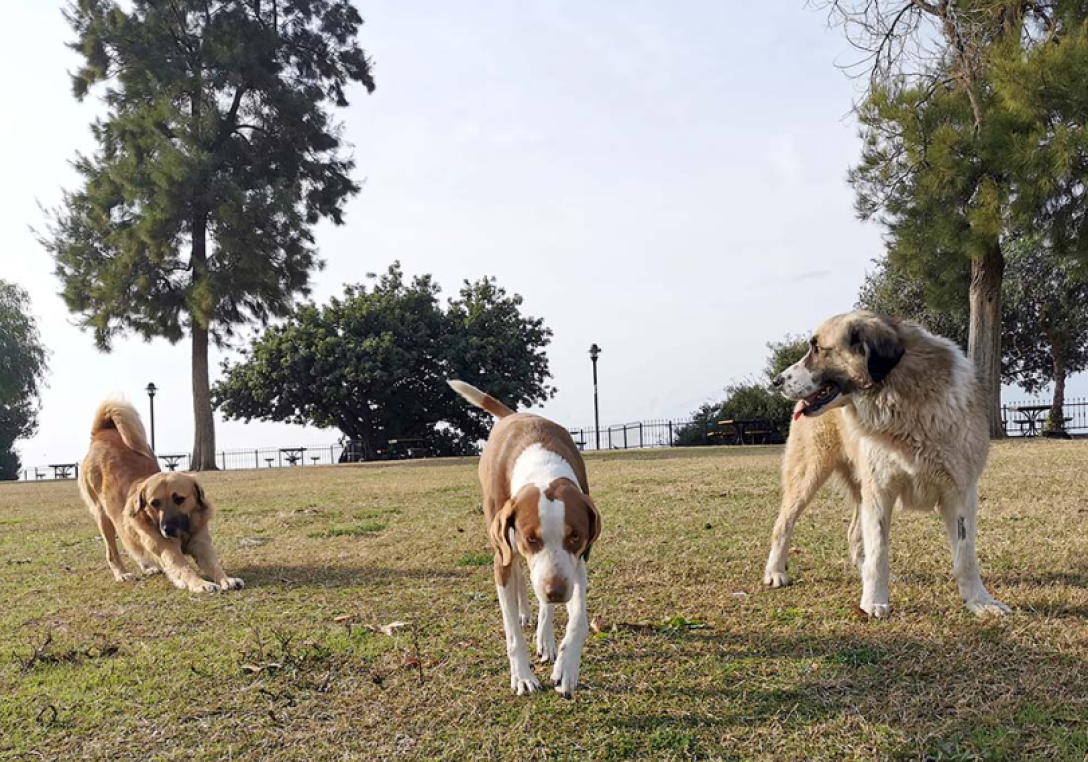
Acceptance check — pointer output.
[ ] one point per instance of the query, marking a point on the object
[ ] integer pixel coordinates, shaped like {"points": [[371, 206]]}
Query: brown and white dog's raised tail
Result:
{"points": [[480, 399], [122, 416]]}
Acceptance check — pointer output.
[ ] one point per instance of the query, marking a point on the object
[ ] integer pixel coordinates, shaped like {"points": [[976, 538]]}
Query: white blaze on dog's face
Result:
{"points": [[550, 522], [847, 354]]}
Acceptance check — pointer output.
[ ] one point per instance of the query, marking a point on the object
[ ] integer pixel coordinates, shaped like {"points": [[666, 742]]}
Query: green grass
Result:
{"points": [[694, 658]]}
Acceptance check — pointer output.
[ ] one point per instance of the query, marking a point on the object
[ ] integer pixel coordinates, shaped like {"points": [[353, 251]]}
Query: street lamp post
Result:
{"points": [[594, 353], [151, 389]]}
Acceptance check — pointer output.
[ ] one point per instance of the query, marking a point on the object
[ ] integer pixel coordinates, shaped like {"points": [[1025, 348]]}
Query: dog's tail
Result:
{"points": [[122, 416], [482, 400]]}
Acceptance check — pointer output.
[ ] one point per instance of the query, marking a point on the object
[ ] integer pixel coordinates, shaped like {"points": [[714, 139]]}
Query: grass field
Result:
{"points": [[696, 660]]}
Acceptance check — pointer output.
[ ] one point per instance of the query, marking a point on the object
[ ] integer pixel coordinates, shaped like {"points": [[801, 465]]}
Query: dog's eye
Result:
{"points": [[533, 542], [179, 499], [574, 537], [156, 503]]}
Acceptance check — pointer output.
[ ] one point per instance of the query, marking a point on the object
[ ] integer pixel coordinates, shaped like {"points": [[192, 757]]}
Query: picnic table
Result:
{"points": [[171, 461], [1031, 418], [294, 455], [64, 470], [748, 429], [409, 447]]}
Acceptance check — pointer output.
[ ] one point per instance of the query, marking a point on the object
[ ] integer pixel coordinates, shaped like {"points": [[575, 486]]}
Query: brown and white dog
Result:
{"points": [[895, 414], [537, 505], [160, 517]]}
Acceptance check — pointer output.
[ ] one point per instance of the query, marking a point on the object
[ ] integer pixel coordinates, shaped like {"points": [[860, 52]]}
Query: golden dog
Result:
{"points": [[160, 517]]}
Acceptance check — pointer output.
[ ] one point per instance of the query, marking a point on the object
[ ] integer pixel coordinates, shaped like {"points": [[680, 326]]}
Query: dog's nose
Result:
{"points": [[778, 380], [168, 530], [555, 590]]}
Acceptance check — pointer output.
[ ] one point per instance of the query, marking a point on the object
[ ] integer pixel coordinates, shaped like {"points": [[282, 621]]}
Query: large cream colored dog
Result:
{"points": [[895, 413]]}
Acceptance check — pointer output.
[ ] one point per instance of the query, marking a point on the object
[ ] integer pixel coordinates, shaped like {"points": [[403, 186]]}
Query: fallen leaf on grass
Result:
{"points": [[391, 628]]}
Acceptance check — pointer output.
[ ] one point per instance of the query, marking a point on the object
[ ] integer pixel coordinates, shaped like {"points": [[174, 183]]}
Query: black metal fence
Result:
{"points": [[1028, 418], [1022, 419]]}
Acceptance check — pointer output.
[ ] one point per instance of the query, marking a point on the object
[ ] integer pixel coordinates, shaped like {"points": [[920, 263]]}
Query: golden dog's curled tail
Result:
{"points": [[480, 399], [122, 416]]}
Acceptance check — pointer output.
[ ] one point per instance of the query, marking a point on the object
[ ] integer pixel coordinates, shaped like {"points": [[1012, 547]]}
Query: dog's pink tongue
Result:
{"points": [[799, 409]]}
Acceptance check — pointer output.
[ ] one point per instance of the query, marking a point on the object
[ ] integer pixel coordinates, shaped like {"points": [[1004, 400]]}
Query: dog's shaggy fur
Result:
{"points": [[895, 413], [160, 517]]}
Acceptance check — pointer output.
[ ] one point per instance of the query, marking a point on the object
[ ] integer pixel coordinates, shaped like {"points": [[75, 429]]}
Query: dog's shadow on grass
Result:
{"points": [[967, 695], [315, 575]]}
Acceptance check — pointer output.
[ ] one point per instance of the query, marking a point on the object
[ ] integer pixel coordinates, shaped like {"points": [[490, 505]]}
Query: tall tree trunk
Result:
{"points": [[984, 334], [204, 424], [1055, 424]]}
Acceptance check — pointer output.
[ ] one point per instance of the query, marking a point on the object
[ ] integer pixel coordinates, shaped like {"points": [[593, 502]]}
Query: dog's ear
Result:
{"points": [[879, 342], [499, 532], [201, 501], [594, 525], [138, 503]]}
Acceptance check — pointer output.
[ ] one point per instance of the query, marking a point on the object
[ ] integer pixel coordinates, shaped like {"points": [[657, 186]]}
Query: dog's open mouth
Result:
{"points": [[812, 404]]}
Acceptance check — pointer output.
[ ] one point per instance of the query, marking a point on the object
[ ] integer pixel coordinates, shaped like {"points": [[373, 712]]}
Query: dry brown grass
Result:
{"points": [[288, 669]]}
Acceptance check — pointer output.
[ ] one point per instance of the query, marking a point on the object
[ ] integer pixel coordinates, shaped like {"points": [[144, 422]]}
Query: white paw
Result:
{"points": [[987, 607], [525, 617], [876, 610], [232, 583], [774, 578], [523, 681], [150, 571], [565, 673], [545, 648], [124, 577], [203, 587]]}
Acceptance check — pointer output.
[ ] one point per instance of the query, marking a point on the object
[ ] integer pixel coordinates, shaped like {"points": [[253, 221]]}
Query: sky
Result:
{"points": [[665, 179]]}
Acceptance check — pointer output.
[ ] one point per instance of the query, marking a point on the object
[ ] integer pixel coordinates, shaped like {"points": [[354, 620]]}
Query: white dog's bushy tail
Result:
{"points": [[122, 416], [480, 399]]}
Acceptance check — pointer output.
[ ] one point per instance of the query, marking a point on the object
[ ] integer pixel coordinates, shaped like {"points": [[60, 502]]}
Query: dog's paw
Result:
{"points": [[774, 578], [150, 571], [203, 587], [545, 649], [525, 618], [565, 674], [232, 583], [124, 577], [987, 607], [523, 681], [876, 610]]}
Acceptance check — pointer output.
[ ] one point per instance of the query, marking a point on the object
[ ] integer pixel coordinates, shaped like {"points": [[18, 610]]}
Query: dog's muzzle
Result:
{"points": [[175, 527]]}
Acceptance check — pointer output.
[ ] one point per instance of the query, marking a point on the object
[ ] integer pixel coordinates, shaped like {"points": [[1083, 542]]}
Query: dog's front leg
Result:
{"points": [[178, 571], [569, 662], [875, 519], [522, 679], [545, 633], [201, 549]]}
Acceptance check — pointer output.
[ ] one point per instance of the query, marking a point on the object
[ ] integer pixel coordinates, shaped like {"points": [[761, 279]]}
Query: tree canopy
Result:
{"points": [[375, 362], [23, 365], [215, 159]]}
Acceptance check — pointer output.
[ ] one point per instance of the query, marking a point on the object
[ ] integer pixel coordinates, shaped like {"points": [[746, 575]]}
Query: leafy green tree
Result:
{"points": [[23, 364], [215, 159], [1046, 324], [892, 291], [749, 400], [374, 363], [947, 134]]}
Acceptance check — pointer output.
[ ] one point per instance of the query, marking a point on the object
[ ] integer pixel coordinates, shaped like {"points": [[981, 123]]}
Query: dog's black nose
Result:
{"points": [[778, 380]]}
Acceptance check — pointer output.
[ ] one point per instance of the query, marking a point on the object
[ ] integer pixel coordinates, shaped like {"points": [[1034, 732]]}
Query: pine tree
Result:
{"points": [[216, 158]]}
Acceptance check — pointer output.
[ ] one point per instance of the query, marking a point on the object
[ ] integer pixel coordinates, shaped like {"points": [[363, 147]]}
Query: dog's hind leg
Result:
{"points": [[959, 514], [525, 608], [113, 557], [545, 633], [804, 470], [853, 534]]}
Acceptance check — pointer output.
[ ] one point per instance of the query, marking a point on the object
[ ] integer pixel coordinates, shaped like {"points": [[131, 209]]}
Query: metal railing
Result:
{"points": [[1019, 420]]}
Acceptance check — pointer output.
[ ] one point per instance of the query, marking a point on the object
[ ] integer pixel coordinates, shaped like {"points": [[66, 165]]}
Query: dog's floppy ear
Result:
{"points": [[594, 525], [880, 344], [499, 532], [201, 501], [139, 502]]}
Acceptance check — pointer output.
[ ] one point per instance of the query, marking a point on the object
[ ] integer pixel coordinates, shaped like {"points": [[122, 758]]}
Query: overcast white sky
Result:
{"points": [[666, 179]]}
